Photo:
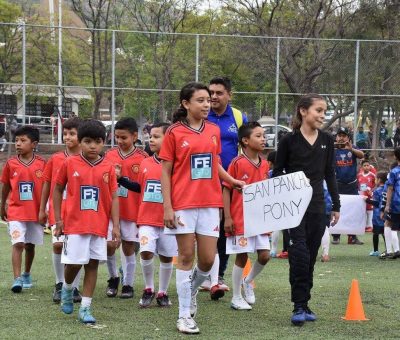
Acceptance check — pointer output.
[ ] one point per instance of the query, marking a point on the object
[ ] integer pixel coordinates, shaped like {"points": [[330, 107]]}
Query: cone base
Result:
{"points": [[348, 319]]}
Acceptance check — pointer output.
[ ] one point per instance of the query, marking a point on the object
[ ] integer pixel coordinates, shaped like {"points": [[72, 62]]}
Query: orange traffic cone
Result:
{"points": [[246, 271], [355, 309]]}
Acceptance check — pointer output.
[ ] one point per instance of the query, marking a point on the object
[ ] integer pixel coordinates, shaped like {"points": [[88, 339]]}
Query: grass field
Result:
{"points": [[32, 315]]}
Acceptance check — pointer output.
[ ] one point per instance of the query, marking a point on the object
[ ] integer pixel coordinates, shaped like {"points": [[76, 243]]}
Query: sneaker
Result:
{"points": [[57, 292], [163, 300], [147, 298], [121, 274], [67, 302], [76, 295], [239, 303], [335, 240], [272, 253], [325, 258], [193, 304], [126, 292], [354, 240], [368, 229], [187, 326], [112, 287], [283, 255], [206, 285], [216, 293], [374, 253], [310, 315], [394, 256], [47, 230], [17, 285], [248, 292], [385, 255], [222, 285], [26, 280], [85, 315], [298, 317]]}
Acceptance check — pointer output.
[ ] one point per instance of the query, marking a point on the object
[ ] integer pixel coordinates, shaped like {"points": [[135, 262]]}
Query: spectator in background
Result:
{"points": [[370, 134], [396, 135], [361, 138], [13, 126], [383, 134], [3, 140]]}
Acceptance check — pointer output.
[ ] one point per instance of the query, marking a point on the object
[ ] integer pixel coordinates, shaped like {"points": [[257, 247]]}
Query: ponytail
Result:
{"points": [[179, 115]]}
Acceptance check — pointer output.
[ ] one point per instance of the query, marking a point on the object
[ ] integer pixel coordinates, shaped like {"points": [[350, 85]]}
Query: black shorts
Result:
{"points": [[377, 230], [394, 220]]}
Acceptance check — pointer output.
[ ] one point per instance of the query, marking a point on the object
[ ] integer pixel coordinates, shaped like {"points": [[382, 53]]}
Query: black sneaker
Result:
{"points": [[147, 298], [385, 255], [112, 287], [163, 300], [57, 292], [126, 292], [76, 295], [394, 255]]}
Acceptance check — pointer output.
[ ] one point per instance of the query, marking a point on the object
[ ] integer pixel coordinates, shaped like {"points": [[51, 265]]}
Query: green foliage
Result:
{"points": [[85, 108]]}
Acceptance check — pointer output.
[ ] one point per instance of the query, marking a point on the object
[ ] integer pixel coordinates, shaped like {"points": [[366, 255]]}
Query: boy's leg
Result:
{"points": [[16, 258], [237, 301], [147, 263], [89, 284], [29, 256], [58, 268], [67, 302], [165, 273], [274, 242], [113, 281]]}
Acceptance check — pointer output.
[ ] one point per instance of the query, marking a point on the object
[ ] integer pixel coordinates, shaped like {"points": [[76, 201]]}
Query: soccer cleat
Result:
{"points": [[283, 255], [163, 300], [17, 285], [126, 292], [76, 295], [193, 304], [85, 315], [374, 253], [310, 315], [385, 255], [298, 317], [67, 302], [394, 255], [368, 229], [57, 292], [206, 285], [222, 284], [112, 287], [216, 292], [187, 326], [147, 298], [325, 258], [248, 292], [26, 280], [239, 303], [354, 240]]}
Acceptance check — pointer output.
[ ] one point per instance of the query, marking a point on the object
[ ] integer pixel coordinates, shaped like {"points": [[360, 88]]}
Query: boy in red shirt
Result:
{"points": [[91, 201], [366, 183], [22, 180], [251, 168], [128, 158]]}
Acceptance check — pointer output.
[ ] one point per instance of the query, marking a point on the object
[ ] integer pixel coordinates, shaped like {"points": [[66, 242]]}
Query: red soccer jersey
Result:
{"points": [[89, 195], [151, 210], [366, 183], [194, 154], [242, 168], [128, 200], [26, 180]]}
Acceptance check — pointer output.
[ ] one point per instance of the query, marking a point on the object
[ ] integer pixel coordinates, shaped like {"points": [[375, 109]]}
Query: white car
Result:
{"points": [[269, 133]]}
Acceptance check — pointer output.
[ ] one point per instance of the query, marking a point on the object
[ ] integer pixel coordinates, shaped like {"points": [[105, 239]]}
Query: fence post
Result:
{"points": [[356, 91], [112, 87], [23, 71], [278, 52], [59, 88], [197, 56]]}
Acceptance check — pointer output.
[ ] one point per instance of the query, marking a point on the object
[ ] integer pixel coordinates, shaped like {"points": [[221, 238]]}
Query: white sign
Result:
{"points": [[353, 217], [275, 204]]}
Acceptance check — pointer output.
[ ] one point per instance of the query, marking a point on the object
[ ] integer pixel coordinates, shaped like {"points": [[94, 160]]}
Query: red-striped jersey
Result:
{"points": [[26, 180], [151, 210], [366, 183], [243, 169], [195, 157], [128, 200], [90, 187]]}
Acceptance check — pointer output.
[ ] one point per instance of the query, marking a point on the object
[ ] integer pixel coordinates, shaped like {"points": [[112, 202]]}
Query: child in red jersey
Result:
{"points": [[192, 196], [91, 201], [128, 158], [22, 180], [366, 183], [251, 168], [72, 147]]}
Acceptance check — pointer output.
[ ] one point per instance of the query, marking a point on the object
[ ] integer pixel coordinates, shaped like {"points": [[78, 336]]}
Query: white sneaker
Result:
{"points": [[222, 284], [187, 325], [193, 304], [248, 292], [239, 303], [206, 285]]}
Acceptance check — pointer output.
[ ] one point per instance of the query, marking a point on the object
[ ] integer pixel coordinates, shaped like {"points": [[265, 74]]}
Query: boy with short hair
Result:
{"points": [[91, 201], [366, 182], [22, 180], [72, 147], [128, 157]]}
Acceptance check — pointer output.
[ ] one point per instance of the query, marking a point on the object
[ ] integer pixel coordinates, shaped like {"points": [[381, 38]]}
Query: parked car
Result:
{"points": [[269, 133]]}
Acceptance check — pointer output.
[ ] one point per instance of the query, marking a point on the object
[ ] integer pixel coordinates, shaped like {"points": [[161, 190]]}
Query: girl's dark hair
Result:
{"points": [[28, 130], [128, 124], [164, 127], [304, 103], [245, 131], [72, 123], [382, 176], [91, 128], [186, 93]]}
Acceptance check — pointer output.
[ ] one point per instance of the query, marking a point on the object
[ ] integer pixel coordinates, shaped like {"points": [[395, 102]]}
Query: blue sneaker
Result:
{"points": [[67, 301], [27, 280], [298, 316], [310, 315], [121, 274], [85, 315], [272, 253], [374, 253], [17, 285]]}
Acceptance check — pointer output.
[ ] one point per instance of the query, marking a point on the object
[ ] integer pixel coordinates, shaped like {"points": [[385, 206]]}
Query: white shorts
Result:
{"points": [[203, 221], [59, 239], [154, 240], [241, 244], [25, 232], [129, 231], [79, 249]]}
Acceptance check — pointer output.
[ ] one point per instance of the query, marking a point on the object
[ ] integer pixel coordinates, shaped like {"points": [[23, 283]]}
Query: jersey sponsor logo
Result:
{"points": [[243, 242], [106, 177], [135, 168], [152, 192], [122, 191], [89, 197], [349, 154], [76, 174], [39, 173], [201, 165], [144, 240], [25, 191], [233, 128]]}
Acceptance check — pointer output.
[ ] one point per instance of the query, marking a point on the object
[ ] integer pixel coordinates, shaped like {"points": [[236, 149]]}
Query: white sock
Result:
{"points": [[237, 273], [395, 241], [214, 271], [325, 242], [255, 270], [77, 279], [184, 290], [86, 301], [165, 274], [388, 239], [129, 271], [274, 241], [369, 218], [198, 278], [148, 273], [58, 268], [112, 266], [67, 286], [123, 265]]}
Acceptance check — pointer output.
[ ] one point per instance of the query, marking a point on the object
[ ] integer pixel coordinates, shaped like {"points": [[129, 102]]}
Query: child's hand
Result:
{"points": [[3, 214], [118, 171], [116, 235], [59, 229], [228, 225], [381, 215], [236, 184], [42, 217], [334, 217], [169, 219]]}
